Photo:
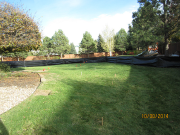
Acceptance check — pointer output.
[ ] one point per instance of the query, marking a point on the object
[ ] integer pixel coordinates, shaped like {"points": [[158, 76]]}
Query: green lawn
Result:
{"points": [[79, 102]]}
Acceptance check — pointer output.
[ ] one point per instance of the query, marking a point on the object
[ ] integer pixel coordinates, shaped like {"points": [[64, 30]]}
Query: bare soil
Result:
{"points": [[20, 79]]}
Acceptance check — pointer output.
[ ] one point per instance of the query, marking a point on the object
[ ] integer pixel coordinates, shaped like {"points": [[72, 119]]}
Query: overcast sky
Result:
{"points": [[75, 17]]}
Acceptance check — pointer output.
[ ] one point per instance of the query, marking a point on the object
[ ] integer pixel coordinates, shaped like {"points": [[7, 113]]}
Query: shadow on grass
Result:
{"points": [[120, 105], [18, 69], [3, 130]]}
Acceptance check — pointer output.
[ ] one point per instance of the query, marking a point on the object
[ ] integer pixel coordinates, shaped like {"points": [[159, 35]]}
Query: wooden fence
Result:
{"points": [[65, 56]]}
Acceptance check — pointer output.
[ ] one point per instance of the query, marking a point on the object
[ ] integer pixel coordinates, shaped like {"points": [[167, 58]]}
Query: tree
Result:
{"points": [[121, 40], [22, 54], [168, 12], [144, 27], [47, 42], [46, 48], [100, 43], [175, 37], [18, 31], [145, 22], [73, 50], [96, 44], [60, 43], [108, 36], [87, 44], [130, 38]]}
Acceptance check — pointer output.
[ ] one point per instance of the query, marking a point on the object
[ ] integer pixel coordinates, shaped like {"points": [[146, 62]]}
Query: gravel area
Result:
{"points": [[12, 96], [15, 90]]}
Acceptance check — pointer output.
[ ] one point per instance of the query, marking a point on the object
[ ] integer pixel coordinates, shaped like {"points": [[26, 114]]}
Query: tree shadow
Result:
{"points": [[18, 69], [3, 130], [88, 102], [114, 105]]}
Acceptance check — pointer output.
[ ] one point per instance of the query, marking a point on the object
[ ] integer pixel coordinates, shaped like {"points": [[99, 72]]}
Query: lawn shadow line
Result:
{"points": [[3, 130]]}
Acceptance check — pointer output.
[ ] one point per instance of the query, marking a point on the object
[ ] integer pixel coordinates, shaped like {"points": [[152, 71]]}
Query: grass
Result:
{"points": [[4, 74], [79, 102], [9, 74]]}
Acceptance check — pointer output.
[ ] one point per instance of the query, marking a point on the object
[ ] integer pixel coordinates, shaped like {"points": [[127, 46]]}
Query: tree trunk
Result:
{"points": [[18, 58], [88, 55], [61, 55], [1, 58], [110, 49], [165, 29], [166, 46]]}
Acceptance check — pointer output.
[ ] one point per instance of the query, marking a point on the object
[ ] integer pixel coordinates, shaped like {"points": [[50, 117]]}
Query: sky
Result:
{"points": [[74, 17]]}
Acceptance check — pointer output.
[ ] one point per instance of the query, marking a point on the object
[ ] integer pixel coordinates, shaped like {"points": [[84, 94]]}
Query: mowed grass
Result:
{"points": [[78, 103]]}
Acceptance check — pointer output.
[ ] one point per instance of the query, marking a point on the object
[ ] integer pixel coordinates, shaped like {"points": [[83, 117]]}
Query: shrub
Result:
{"points": [[19, 75], [116, 54], [5, 67], [128, 52], [131, 53], [56, 57]]}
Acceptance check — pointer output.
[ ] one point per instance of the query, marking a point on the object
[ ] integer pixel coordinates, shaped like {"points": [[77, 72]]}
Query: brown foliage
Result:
{"points": [[18, 31]]}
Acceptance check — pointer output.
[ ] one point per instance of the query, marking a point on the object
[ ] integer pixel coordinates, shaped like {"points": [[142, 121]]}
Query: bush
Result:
{"points": [[128, 52], [116, 54], [5, 67], [133, 52], [55, 57]]}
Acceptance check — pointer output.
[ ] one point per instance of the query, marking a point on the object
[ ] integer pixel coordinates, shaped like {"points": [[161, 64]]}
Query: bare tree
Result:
{"points": [[108, 36]]}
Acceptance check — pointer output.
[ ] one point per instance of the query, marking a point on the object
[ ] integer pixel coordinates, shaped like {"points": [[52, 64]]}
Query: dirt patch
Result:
{"points": [[42, 92], [34, 71], [21, 79]]}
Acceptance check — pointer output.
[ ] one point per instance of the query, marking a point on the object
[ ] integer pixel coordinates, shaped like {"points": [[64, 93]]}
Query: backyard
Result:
{"points": [[99, 98]]}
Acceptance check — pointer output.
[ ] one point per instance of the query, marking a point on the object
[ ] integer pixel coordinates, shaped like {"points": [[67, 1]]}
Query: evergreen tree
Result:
{"points": [[130, 38], [169, 17], [87, 44], [46, 48], [96, 44], [100, 43], [22, 54], [145, 22], [60, 43], [47, 42], [121, 40], [73, 50]]}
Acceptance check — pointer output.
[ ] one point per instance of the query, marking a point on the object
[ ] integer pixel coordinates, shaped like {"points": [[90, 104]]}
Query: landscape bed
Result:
{"points": [[99, 98]]}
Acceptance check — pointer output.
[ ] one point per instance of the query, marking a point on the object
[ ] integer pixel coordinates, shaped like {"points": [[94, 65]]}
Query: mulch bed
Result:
{"points": [[20, 79]]}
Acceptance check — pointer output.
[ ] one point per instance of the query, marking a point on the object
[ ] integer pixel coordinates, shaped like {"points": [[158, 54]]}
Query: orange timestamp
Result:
{"points": [[159, 116]]}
